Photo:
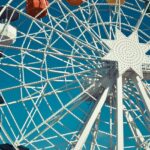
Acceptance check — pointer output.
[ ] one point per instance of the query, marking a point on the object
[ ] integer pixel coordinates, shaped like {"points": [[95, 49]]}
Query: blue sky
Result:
{"points": [[38, 51]]}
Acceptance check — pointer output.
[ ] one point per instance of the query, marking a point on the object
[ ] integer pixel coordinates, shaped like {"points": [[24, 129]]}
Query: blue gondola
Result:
{"points": [[6, 147], [1, 100], [9, 14], [146, 3], [1, 54], [10, 147], [22, 148]]}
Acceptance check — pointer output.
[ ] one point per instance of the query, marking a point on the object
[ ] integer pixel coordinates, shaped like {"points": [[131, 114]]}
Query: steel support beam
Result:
{"points": [[143, 93], [120, 129], [135, 131], [97, 109], [96, 125]]}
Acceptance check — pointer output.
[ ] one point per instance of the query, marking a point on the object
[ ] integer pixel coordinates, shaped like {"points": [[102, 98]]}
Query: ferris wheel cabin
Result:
{"points": [[113, 2], [75, 2], [37, 8], [1, 100], [10, 147], [147, 3], [8, 33], [8, 14], [1, 54], [6, 147]]}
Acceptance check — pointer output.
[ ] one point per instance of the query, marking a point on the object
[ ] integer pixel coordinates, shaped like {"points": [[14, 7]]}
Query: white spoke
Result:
{"points": [[120, 126], [92, 119], [142, 90], [67, 74]]}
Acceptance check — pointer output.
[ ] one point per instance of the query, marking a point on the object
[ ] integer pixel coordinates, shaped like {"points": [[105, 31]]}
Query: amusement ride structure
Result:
{"points": [[75, 74]]}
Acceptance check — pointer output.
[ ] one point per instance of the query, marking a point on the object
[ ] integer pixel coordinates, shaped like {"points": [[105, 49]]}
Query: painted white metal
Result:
{"points": [[136, 132], [72, 61], [90, 122], [8, 34], [128, 52], [95, 132], [120, 129], [144, 95], [56, 113]]}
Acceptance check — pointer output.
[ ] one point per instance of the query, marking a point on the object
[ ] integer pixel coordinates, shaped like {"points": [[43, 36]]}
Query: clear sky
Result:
{"points": [[48, 65]]}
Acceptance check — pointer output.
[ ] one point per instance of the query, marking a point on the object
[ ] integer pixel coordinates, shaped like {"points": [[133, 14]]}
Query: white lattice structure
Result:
{"points": [[78, 78]]}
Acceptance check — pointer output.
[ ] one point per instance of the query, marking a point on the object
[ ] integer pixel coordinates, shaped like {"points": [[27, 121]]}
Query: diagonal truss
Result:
{"points": [[65, 102]]}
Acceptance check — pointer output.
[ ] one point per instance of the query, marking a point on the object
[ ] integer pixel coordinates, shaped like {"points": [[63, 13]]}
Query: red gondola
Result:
{"points": [[75, 2], [37, 8], [115, 2]]}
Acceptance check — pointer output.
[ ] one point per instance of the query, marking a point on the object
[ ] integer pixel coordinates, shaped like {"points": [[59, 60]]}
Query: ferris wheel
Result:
{"points": [[75, 74]]}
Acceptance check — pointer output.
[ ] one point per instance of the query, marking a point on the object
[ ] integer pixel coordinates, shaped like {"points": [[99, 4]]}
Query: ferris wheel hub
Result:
{"points": [[128, 52]]}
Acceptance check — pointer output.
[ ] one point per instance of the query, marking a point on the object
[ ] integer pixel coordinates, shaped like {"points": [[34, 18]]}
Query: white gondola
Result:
{"points": [[8, 34]]}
